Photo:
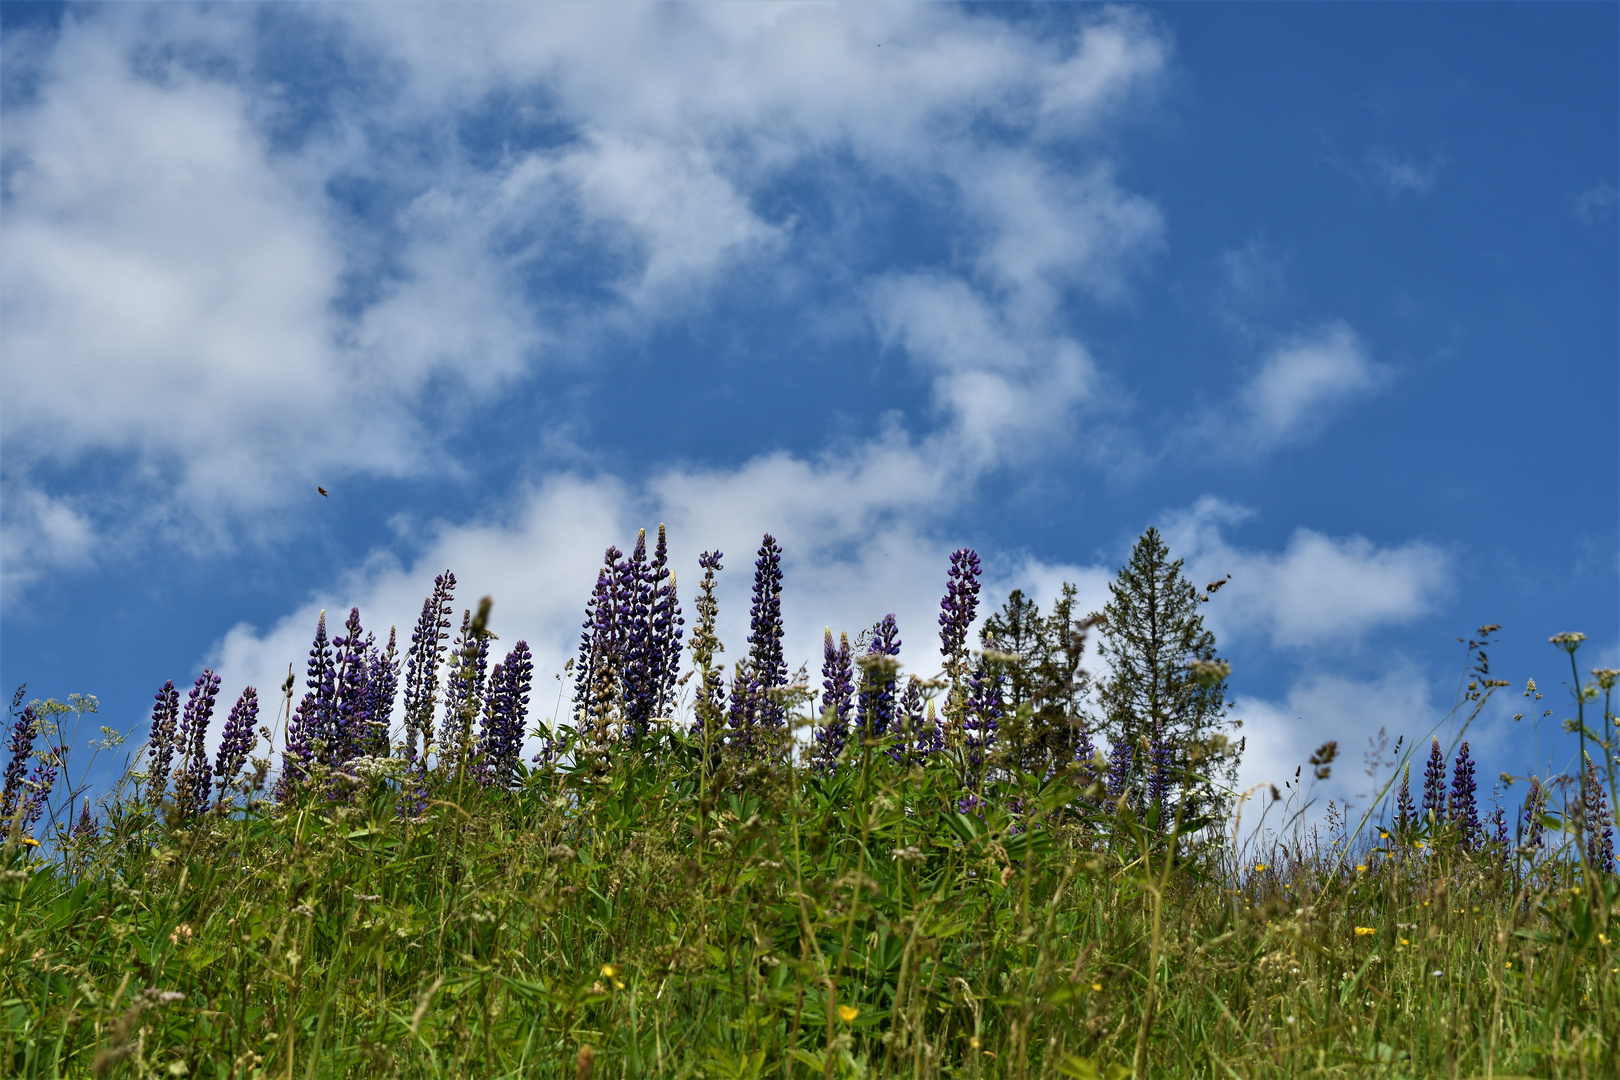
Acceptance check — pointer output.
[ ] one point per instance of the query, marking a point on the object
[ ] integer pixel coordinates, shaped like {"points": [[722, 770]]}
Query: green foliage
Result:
{"points": [[780, 924], [1046, 689], [1164, 674]]}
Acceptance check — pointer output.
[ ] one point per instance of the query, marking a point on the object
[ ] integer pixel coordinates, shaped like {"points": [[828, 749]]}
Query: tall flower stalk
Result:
{"points": [[428, 642], [160, 741], [1434, 785], [837, 700]]}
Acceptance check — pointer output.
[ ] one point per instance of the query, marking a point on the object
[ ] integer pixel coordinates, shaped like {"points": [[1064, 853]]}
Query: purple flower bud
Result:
{"points": [[983, 717], [1535, 808], [766, 663], [958, 608], [1405, 813], [38, 787], [877, 685], [428, 642], [236, 741], [86, 831], [1434, 784], [350, 698], [1595, 821], [1462, 810], [506, 708], [192, 786], [1159, 772], [464, 689], [1120, 760], [837, 699], [160, 741], [24, 729]]}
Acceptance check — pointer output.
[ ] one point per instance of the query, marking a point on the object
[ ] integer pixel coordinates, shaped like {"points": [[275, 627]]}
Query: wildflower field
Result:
{"points": [[1001, 869]]}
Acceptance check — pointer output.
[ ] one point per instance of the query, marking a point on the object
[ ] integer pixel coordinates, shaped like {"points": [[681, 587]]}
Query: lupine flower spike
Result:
{"points": [[237, 740], [1434, 785], [192, 786], [1462, 811], [160, 741], [877, 682], [837, 699], [1405, 813], [428, 642], [24, 729], [1596, 822], [766, 664]]}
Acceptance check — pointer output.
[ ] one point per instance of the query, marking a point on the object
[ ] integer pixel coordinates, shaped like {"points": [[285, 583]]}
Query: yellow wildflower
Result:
{"points": [[1363, 931], [848, 1013]]}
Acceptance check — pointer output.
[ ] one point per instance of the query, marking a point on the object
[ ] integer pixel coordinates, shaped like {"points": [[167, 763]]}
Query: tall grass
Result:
{"points": [[671, 910]]}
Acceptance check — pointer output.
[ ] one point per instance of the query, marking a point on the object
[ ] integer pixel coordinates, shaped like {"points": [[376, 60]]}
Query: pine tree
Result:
{"points": [[1040, 657], [1165, 678]]}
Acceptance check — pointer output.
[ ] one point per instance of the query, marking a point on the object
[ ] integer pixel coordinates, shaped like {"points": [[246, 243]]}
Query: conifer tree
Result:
{"points": [[1040, 658], [1165, 678]]}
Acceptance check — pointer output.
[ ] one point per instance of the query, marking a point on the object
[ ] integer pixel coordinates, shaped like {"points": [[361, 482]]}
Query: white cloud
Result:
{"points": [[179, 285], [38, 534], [1000, 385], [1399, 175], [1297, 386], [852, 555], [1321, 706], [1317, 591]]}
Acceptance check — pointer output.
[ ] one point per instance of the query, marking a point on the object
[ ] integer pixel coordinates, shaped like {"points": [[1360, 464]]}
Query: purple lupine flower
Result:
{"points": [[1159, 771], [1499, 834], [983, 717], [766, 664], [1405, 813], [876, 711], [24, 729], [664, 658], [160, 741], [464, 689], [1462, 811], [710, 700], [309, 732], [236, 741], [1596, 822], [1535, 808], [914, 742], [597, 672], [1085, 754], [1434, 785], [382, 683], [506, 710], [192, 785], [742, 717], [970, 803], [39, 784], [86, 831], [350, 698], [1120, 760], [413, 798], [641, 652], [837, 699], [428, 642], [958, 609]]}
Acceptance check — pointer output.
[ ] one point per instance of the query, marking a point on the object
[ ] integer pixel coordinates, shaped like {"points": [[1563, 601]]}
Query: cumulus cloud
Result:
{"points": [[1319, 590], [1281, 736], [188, 295], [854, 551], [39, 534], [1296, 387]]}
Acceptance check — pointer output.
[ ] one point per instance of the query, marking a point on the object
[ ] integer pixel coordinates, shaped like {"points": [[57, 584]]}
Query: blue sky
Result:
{"points": [[1327, 292]]}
